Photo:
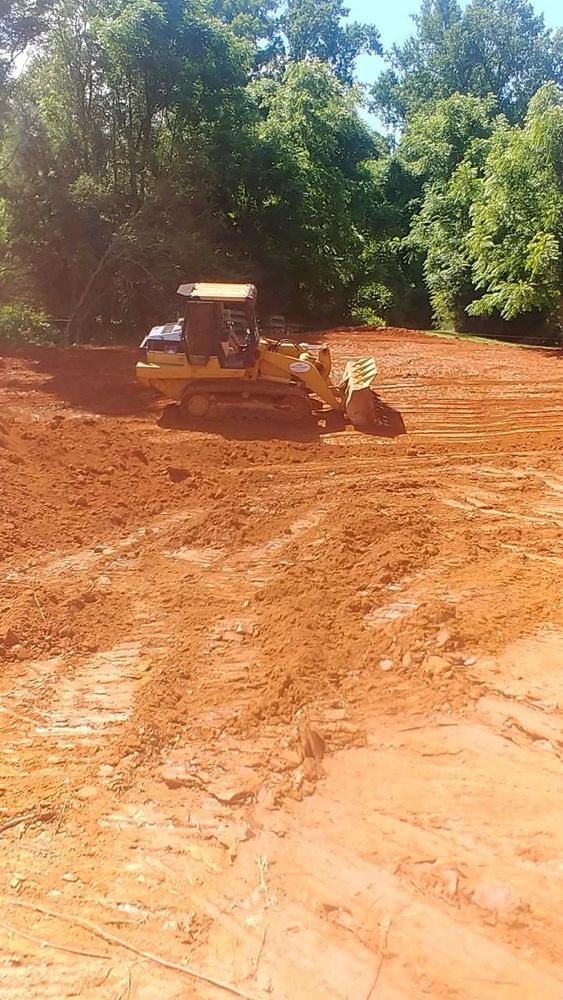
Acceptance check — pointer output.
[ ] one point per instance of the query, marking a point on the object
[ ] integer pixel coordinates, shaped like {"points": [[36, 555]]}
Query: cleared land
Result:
{"points": [[283, 707]]}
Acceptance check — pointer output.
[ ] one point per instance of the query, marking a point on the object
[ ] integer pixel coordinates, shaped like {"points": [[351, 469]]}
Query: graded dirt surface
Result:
{"points": [[283, 709]]}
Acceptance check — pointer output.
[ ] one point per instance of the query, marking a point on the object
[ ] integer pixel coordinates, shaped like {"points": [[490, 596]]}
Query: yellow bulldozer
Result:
{"points": [[215, 355]]}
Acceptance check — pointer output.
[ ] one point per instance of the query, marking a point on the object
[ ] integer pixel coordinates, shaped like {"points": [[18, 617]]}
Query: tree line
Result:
{"points": [[145, 142]]}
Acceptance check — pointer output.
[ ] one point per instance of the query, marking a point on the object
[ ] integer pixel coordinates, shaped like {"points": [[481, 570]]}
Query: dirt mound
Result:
{"points": [[57, 623]]}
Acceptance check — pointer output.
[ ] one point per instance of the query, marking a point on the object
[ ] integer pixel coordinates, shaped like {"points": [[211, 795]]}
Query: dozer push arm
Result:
{"points": [[278, 365]]}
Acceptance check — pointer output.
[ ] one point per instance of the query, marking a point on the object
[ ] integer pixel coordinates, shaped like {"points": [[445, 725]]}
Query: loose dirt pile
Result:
{"points": [[278, 702]]}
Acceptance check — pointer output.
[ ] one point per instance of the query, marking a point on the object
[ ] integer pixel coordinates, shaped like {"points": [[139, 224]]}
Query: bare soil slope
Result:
{"points": [[280, 707]]}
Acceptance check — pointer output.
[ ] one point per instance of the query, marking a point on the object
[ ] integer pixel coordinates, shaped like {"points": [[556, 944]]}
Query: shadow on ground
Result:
{"points": [[237, 427], [388, 423], [98, 380], [555, 353]]}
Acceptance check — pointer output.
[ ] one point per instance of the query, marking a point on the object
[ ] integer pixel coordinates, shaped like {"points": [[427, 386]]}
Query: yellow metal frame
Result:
{"points": [[171, 374], [274, 364]]}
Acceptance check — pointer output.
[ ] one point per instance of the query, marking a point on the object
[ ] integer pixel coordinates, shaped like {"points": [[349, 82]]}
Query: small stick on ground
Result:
{"points": [[125, 992], [260, 949], [39, 608], [50, 944], [43, 943], [63, 810], [384, 933], [262, 863], [26, 818], [89, 925]]}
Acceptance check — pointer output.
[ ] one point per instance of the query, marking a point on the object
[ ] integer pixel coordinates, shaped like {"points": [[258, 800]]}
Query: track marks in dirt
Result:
{"points": [[389, 592]]}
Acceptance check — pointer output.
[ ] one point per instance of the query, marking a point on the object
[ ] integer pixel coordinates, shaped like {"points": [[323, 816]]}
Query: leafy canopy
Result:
{"points": [[488, 47], [516, 240], [146, 141]]}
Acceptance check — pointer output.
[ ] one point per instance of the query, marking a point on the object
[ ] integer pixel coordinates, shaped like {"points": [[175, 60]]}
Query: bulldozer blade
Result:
{"points": [[358, 397]]}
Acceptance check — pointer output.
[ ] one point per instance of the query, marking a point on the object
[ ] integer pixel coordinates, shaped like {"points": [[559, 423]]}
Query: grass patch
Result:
{"points": [[474, 338]]}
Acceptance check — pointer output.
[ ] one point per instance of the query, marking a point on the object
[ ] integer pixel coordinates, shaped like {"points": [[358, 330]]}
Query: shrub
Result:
{"points": [[22, 323], [364, 316]]}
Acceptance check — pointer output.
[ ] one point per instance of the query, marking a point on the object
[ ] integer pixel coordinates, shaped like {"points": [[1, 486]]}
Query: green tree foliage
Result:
{"points": [[145, 142], [310, 204], [516, 240], [489, 47], [117, 130], [490, 224], [447, 150], [21, 21], [314, 29], [20, 322]]}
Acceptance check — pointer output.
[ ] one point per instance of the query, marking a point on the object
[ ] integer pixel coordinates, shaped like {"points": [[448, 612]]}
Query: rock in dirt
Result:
{"points": [[88, 792], [244, 628], [347, 734], [239, 787], [266, 798], [443, 638], [287, 760], [436, 664], [312, 769], [313, 743], [233, 834], [177, 474], [451, 881], [386, 664], [70, 877], [489, 664], [335, 715], [496, 898], [544, 745], [11, 638]]}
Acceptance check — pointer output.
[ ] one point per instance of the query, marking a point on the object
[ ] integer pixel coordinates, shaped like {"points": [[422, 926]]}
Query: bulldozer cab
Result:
{"points": [[219, 322]]}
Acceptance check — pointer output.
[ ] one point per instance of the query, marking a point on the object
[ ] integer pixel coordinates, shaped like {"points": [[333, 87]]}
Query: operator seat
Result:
{"points": [[207, 335], [239, 352]]}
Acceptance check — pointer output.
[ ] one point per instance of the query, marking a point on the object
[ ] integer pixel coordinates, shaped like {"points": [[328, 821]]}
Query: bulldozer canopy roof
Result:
{"points": [[207, 291]]}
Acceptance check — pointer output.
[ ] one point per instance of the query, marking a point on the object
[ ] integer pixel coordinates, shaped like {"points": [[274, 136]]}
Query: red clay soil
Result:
{"points": [[283, 706]]}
